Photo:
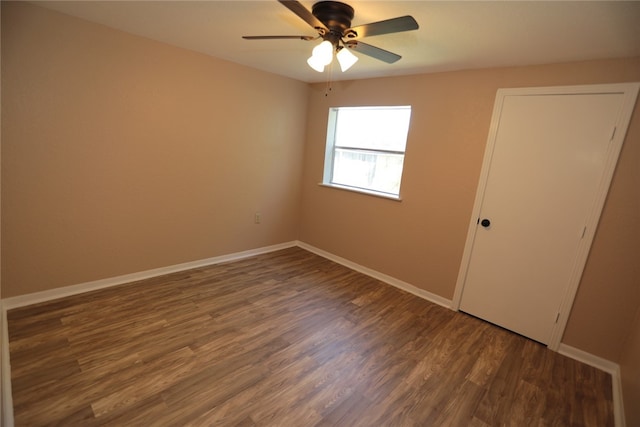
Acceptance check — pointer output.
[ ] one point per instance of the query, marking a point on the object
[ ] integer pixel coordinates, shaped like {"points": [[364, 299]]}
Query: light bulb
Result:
{"points": [[346, 59]]}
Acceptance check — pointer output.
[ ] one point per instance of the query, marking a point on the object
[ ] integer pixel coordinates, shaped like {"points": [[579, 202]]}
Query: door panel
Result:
{"points": [[547, 164]]}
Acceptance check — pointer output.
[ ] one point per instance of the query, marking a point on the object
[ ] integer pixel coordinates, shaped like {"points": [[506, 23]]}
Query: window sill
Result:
{"points": [[361, 191]]}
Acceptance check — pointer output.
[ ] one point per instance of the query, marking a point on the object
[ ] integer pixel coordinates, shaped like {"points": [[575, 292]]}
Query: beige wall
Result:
{"points": [[630, 369], [420, 240], [121, 154]]}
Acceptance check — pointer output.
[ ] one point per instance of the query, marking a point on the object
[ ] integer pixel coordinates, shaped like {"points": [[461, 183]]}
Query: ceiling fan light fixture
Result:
{"points": [[346, 59], [323, 52], [332, 21], [315, 63]]}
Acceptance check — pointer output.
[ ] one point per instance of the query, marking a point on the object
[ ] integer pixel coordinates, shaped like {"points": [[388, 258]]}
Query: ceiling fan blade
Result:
{"points": [[279, 37], [372, 51], [394, 25], [304, 13]]}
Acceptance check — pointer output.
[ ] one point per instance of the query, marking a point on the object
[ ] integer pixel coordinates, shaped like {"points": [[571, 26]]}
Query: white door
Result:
{"points": [[549, 158]]}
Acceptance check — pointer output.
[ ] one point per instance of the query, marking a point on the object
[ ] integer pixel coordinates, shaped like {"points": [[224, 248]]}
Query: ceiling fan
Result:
{"points": [[332, 21]]}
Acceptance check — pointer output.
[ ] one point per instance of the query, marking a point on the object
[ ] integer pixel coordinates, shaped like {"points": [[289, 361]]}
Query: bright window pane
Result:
{"points": [[380, 128], [371, 171], [365, 147]]}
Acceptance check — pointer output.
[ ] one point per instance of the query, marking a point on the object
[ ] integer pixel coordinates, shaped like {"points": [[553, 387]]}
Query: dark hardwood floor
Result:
{"points": [[284, 339]]}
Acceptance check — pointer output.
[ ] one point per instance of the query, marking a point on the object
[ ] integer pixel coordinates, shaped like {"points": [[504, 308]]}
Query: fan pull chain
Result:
{"points": [[327, 88]]}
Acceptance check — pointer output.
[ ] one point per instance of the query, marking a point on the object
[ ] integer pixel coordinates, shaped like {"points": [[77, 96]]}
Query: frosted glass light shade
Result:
{"points": [[315, 63], [346, 59], [323, 52]]}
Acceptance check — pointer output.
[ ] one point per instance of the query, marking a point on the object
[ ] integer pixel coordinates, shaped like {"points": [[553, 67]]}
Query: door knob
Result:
{"points": [[485, 223]]}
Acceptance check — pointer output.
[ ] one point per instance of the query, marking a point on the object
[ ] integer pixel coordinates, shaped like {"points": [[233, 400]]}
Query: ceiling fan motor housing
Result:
{"points": [[336, 16]]}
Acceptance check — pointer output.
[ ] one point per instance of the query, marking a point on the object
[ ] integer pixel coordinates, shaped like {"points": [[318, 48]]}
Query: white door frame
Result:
{"points": [[630, 92]]}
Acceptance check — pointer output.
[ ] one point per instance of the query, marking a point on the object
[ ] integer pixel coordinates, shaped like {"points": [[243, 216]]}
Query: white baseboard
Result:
{"points": [[436, 299], [37, 297], [44, 296], [604, 365]]}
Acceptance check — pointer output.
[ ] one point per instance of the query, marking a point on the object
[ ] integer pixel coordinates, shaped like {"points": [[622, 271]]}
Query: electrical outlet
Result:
{"points": [[257, 218]]}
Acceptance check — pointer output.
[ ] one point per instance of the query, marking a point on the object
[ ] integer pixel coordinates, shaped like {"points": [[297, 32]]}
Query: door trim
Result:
{"points": [[630, 92]]}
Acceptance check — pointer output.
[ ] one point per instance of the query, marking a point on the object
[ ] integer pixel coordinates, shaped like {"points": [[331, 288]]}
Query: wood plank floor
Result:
{"points": [[284, 339]]}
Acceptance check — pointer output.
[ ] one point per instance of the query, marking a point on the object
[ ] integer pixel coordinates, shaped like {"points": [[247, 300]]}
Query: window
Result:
{"points": [[365, 148]]}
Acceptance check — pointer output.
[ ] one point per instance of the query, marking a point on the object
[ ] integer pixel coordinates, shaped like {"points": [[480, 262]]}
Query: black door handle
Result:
{"points": [[485, 223]]}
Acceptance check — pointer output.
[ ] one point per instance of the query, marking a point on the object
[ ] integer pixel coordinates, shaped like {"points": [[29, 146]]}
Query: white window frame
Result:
{"points": [[330, 148]]}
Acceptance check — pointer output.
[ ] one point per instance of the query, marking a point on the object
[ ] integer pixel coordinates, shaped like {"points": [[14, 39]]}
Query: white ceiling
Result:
{"points": [[453, 35]]}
